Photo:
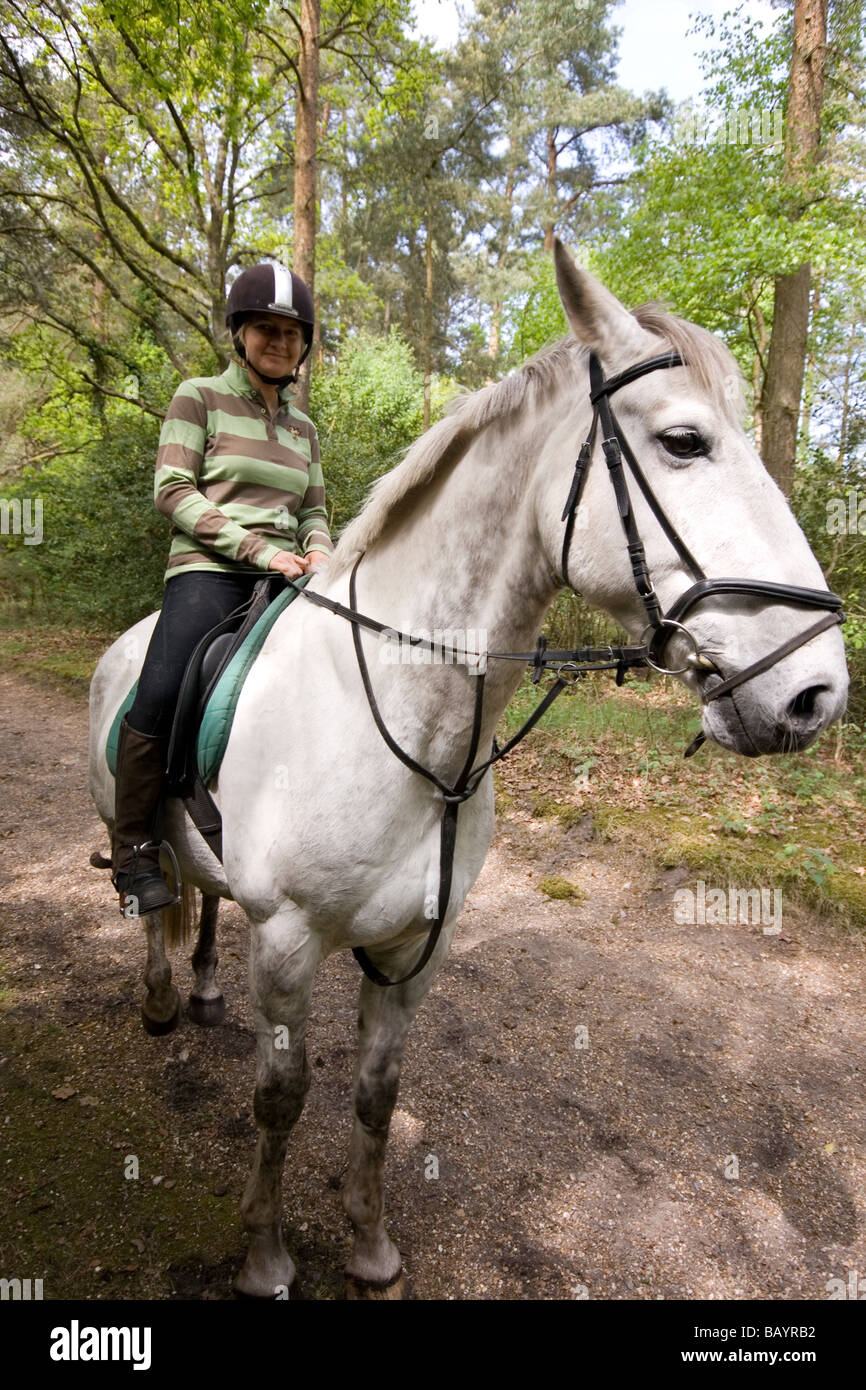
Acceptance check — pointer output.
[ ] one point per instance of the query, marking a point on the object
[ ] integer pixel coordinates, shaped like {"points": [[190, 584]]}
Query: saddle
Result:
{"points": [[204, 668], [209, 693]]}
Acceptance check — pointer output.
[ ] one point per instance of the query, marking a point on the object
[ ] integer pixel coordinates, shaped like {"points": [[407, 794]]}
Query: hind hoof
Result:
{"points": [[207, 1013], [357, 1289], [158, 1027]]}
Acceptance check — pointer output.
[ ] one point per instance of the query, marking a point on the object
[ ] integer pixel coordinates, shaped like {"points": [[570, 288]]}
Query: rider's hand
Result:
{"points": [[290, 565], [317, 558]]}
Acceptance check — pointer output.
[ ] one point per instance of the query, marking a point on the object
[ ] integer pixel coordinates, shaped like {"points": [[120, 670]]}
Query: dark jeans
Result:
{"points": [[192, 604]]}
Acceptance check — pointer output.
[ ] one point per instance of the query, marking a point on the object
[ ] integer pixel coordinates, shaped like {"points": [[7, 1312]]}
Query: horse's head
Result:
{"points": [[725, 518]]}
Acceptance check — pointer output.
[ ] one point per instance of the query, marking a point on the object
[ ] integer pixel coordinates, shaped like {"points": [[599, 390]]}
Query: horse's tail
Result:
{"points": [[178, 920]]}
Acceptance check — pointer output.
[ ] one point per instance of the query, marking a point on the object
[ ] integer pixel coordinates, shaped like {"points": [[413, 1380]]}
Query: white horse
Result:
{"points": [[330, 842]]}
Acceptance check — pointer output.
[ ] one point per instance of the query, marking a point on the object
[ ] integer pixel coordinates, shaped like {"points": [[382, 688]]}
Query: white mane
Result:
{"points": [[527, 388]]}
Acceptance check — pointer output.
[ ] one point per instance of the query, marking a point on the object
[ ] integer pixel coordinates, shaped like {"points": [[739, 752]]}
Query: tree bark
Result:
{"points": [[496, 324], [786, 361], [306, 133], [428, 318]]}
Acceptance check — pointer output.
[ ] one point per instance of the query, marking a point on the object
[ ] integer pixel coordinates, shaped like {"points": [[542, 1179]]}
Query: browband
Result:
{"points": [[652, 364]]}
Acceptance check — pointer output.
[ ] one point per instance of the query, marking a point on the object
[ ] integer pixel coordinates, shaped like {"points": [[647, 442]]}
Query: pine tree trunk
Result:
{"points": [[787, 357], [428, 321], [306, 131], [496, 324]]}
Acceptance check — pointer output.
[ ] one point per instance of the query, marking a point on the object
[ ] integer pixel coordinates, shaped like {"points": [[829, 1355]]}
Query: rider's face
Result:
{"points": [[273, 342]]}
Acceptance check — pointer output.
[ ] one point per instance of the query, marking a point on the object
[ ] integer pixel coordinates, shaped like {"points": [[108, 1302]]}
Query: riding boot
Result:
{"points": [[135, 858]]}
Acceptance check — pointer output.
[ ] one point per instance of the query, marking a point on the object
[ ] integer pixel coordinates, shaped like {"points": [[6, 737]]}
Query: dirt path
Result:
{"points": [[606, 1170]]}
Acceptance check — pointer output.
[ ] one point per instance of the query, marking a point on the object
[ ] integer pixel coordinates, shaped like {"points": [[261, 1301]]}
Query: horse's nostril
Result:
{"points": [[803, 706]]}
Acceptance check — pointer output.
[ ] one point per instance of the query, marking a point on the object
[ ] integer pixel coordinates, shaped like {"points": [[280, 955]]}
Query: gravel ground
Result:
{"points": [[705, 1143]]}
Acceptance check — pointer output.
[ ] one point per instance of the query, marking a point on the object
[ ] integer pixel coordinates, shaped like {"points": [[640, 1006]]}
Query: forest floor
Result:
{"points": [[598, 1099]]}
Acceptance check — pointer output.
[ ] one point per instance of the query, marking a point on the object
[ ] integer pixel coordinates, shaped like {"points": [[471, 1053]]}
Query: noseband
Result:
{"points": [[661, 627]]}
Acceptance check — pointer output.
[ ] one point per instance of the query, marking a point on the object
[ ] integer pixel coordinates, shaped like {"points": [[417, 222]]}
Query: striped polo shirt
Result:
{"points": [[237, 485]]}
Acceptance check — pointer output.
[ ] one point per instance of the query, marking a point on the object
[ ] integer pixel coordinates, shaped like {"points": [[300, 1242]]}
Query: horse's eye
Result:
{"points": [[684, 443]]}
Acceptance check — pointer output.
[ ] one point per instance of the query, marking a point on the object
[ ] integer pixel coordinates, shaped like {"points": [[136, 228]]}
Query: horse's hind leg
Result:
{"points": [[207, 1007], [283, 964], [160, 1012], [374, 1268]]}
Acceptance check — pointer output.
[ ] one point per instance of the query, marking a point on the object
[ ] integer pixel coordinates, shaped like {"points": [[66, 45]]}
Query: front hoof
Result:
{"points": [[360, 1289], [158, 1027], [273, 1286], [207, 1013]]}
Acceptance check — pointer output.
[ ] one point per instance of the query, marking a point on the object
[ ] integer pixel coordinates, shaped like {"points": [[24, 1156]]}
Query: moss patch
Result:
{"points": [[797, 823], [555, 887], [63, 658]]}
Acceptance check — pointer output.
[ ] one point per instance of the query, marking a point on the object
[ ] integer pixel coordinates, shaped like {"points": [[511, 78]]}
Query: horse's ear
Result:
{"points": [[596, 316]]}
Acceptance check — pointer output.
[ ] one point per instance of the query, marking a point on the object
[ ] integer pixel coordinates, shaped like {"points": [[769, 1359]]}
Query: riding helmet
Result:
{"points": [[271, 289]]}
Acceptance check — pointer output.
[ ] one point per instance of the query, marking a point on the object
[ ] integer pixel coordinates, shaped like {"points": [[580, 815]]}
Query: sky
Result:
{"points": [[655, 48]]}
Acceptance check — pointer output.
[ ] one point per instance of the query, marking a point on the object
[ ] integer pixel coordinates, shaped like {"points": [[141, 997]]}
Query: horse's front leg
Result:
{"points": [[374, 1268], [207, 1006], [283, 962], [160, 1012]]}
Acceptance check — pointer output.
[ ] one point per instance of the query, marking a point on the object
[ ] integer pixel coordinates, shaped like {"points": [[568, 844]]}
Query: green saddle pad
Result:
{"points": [[216, 724]]}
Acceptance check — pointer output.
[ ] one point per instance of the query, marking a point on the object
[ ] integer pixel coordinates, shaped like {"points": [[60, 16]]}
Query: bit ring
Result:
{"points": [[668, 670]]}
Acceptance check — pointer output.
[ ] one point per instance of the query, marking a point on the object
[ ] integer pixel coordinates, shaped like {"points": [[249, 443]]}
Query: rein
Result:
{"points": [[571, 666], [466, 784]]}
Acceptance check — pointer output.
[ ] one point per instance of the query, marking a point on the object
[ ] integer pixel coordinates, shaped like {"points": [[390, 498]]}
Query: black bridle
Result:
{"points": [[571, 665], [662, 626]]}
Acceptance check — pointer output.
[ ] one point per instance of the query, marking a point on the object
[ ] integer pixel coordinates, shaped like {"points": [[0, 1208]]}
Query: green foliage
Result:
{"points": [[814, 863], [830, 503], [368, 409], [708, 221], [103, 548], [554, 886], [534, 316]]}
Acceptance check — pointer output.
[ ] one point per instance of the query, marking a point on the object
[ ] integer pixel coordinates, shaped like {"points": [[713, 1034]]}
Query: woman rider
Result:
{"points": [[238, 474]]}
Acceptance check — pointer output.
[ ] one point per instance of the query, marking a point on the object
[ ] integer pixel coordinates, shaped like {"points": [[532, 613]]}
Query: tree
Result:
{"points": [[367, 37], [556, 122], [786, 358], [147, 153], [706, 225], [135, 157], [306, 141], [368, 410]]}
